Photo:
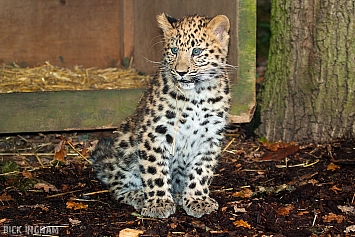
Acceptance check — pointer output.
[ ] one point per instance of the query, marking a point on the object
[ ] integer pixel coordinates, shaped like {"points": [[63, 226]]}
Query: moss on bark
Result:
{"points": [[308, 94]]}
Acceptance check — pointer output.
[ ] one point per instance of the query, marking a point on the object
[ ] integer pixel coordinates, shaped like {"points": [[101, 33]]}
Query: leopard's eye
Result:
{"points": [[196, 51], [174, 50]]}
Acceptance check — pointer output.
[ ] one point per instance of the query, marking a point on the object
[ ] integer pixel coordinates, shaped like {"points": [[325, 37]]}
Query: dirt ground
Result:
{"points": [[263, 190]]}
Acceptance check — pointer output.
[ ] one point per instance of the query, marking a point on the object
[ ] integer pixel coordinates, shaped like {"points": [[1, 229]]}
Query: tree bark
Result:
{"points": [[308, 93]]}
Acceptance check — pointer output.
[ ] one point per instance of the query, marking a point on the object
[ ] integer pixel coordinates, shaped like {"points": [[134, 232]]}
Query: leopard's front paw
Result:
{"points": [[198, 207], [158, 208]]}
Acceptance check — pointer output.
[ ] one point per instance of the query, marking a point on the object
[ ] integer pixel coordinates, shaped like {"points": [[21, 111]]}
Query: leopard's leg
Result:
{"points": [[154, 167], [116, 165], [126, 187], [196, 199], [178, 177]]}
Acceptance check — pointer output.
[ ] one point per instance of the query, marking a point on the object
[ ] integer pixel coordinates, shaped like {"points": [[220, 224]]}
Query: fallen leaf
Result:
{"points": [[5, 198], [280, 154], [76, 205], [47, 187], [284, 211], [347, 209], [59, 151], [130, 233], [277, 189], [81, 184], [245, 193], [27, 174], [350, 228], [333, 217], [302, 213], [239, 209], [74, 222], [274, 146], [173, 225], [241, 223], [240, 152], [198, 224], [65, 188], [313, 181], [332, 166], [218, 232], [284, 187], [42, 206], [335, 189], [59, 146], [85, 152]]}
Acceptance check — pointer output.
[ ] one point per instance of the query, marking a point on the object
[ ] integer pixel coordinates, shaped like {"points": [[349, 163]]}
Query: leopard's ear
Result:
{"points": [[219, 26], [165, 22]]}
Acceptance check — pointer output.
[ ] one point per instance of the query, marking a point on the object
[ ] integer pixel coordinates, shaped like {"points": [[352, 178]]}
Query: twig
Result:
{"points": [[31, 154], [229, 143], [62, 194], [139, 216], [251, 170], [81, 155], [98, 192], [314, 219], [37, 157], [298, 165], [19, 172], [221, 190], [22, 158]]}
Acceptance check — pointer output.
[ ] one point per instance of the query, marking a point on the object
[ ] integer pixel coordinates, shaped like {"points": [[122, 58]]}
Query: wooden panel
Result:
{"points": [[127, 28], [65, 110], [243, 89], [63, 32]]}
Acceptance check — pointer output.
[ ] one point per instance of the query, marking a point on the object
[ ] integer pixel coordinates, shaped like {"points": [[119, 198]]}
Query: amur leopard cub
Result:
{"points": [[166, 153]]}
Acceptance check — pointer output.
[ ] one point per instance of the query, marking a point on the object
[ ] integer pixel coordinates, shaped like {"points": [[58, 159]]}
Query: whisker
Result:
{"points": [[151, 61], [226, 65], [158, 36], [156, 43]]}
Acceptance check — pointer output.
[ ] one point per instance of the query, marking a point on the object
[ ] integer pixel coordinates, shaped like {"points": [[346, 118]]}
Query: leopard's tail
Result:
{"points": [[103, 157]]}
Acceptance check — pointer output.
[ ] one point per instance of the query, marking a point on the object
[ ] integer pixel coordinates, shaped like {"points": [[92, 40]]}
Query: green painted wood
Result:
{"points": [[243, 89], [65, 110]]}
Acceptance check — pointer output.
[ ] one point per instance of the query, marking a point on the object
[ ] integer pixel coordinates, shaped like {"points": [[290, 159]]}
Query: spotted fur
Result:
{"points": [[166, 153]]}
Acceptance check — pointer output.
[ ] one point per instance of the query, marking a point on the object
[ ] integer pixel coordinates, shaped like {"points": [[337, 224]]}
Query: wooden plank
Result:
{"points": [[65, 33], [243, 90], [127, 29], [66, 110]]}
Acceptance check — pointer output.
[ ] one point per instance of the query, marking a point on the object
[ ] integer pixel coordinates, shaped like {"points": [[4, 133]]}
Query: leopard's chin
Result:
{"points": [[186, 85]]}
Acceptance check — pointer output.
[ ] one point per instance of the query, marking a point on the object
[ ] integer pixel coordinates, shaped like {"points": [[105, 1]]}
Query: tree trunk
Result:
{"points": [[309, 88]]}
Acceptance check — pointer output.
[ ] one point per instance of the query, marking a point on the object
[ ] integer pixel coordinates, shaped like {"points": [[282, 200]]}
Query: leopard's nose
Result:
{"points": [[181, 73]]}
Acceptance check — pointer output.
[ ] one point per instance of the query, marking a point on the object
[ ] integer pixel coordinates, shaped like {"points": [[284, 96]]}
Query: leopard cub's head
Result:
{"points": [[195, 49]]}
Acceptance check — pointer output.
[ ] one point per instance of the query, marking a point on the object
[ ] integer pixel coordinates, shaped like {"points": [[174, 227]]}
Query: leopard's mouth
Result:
{"points": [[186, 85]]}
